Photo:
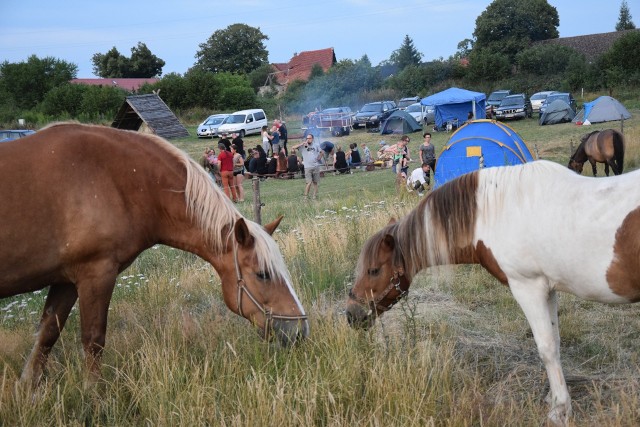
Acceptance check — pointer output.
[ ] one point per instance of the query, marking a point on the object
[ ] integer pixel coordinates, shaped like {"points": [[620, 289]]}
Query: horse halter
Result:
{"points": [[266, 311], [395, 282]]}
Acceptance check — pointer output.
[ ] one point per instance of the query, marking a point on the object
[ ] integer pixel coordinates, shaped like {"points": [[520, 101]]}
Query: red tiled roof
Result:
{"points": [[130, 85], [299, 67]]}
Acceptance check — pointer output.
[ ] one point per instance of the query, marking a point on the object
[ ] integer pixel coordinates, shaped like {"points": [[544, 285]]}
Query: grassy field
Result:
{"points": [[457, 352]]}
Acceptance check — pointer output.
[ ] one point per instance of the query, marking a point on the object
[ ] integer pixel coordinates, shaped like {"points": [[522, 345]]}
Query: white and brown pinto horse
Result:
{"points": [[79, 203], [531, 239]]}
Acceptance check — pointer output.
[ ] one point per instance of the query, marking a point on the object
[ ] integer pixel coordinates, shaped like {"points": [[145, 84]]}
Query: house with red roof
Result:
{"points": [[130, 85], [300, 65]]}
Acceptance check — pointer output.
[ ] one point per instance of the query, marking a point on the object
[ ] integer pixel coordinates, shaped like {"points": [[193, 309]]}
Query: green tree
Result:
{"points": [[113, 64], [618, 66], [143, 63], [238, 48], [487, 65], [547, 59], [28, 82], [260, 75], [509, 26], [406, 55], [65, 99], [624, 20]]}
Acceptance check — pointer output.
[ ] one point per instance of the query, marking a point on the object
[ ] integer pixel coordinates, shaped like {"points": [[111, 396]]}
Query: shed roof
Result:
{"points": [[591, 45], [151, 110], [300, 65]]}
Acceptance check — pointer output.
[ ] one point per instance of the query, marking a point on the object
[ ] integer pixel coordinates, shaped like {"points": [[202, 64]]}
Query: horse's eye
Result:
{"points": [[373, 271], [263, 275]]}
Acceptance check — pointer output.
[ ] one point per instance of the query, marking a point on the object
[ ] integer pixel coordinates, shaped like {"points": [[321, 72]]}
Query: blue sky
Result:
{"points": [[74, 30]]}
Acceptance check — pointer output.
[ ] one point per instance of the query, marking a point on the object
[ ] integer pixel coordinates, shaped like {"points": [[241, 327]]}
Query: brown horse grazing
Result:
{"points": [[605, 146], [80, 203]]}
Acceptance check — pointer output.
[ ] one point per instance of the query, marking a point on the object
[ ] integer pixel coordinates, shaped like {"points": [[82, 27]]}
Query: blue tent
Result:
{"points": [[481, 143], [454, 105]]}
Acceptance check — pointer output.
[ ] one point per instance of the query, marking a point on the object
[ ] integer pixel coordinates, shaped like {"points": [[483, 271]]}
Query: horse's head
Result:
{"points": [[381, 279], [575, 166], [256, 283]]}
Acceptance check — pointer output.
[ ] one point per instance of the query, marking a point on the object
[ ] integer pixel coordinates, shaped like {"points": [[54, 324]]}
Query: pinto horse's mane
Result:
{"points": [[210, 208], [445, 221]]}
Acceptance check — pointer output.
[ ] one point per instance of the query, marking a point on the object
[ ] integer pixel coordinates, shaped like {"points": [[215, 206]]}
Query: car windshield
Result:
{"points": [[508, 101], [214, 121], [406, 102], [552, 98], [372, 108], [235, 118], [331, 110], [414, 108], [497, 96], [538, 96]]}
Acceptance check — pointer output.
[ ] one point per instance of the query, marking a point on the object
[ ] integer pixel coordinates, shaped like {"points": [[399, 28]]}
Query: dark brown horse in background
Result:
{"points": [[79, 203], [605, 146]]}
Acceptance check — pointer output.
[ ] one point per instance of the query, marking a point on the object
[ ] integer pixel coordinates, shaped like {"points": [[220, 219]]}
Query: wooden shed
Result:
{"points": [[152, 111]]}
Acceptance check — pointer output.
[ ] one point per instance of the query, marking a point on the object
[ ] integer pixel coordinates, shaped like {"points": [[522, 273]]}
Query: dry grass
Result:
{"points": [[457, 352]]}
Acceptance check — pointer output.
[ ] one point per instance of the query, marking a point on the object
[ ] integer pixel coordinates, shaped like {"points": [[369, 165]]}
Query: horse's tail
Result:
{"points": [[618, 150]]}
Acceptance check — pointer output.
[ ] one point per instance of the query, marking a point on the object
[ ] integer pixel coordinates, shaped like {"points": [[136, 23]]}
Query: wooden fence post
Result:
{"points": [[257, 205]]}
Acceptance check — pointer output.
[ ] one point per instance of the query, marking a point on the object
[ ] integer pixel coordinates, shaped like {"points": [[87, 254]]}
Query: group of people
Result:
{"points": [[227, 167], [420, 178], [275, 139], [344, 161]]}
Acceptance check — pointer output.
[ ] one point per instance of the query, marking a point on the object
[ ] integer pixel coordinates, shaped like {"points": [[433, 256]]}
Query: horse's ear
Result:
{"points": [[388, 242], [242, 233], [392, 221], [271, 227]]}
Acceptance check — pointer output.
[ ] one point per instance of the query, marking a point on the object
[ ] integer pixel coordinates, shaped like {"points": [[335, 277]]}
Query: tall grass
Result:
{"points": [[457, 352]]}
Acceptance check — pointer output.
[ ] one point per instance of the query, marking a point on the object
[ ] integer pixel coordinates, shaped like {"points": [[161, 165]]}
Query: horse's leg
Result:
{"points": [[606, 168], [60, 300], [540, 307], [95, 285], [593, 167], [614, 167]]}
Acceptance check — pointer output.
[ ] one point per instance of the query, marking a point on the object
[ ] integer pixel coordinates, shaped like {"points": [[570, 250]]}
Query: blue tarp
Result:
{"points": [[481, 143], [454, 104]]}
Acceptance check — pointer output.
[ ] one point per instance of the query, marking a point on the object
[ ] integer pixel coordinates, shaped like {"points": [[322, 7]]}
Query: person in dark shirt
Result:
{"points": [[284, 137], [340, 161], [225, 140], [239, 143], [354, 155], [261, 167]]}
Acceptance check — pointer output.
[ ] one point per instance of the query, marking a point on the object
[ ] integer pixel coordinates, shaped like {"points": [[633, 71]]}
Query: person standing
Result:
{"points": [[366, 153], [239, 143], [311, 154], [266, 139], [238, 172], [225, 163], [274, 138], [284, 136], [428, 155]]}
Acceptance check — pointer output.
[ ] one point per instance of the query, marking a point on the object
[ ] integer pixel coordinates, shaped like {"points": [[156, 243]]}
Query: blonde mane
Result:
{"points": [[210, 208]]}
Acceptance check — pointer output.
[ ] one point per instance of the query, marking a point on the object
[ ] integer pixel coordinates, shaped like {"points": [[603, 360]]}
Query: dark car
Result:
{"points": [[495, 99], [565, 96], [11, 134], [373, 113], [515, 106]]}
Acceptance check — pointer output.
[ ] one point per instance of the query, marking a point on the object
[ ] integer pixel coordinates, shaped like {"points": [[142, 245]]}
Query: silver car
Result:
{"points": [[209, 128], [538, 98], [424, 114]]}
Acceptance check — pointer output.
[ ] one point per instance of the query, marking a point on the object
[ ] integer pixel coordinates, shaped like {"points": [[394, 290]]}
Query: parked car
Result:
{"points": [[565, 96], [209, 128], [244, 122], [373, 113], [538, 98], [11, 134], [405, 102], [422, 113], [495, 99], [515, 106]]}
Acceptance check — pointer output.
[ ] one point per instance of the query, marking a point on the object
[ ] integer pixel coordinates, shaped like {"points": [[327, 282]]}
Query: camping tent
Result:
{"points": [[557, 112], [602, 109], [454, 104], [480, 144], [400, 122]]}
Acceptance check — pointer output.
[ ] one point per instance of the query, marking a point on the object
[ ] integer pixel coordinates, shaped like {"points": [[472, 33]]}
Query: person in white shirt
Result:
{"points": [[418, 179]]}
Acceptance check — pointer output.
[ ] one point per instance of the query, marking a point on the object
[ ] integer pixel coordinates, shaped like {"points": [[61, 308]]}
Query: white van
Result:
{"points": [[244, 122]]}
